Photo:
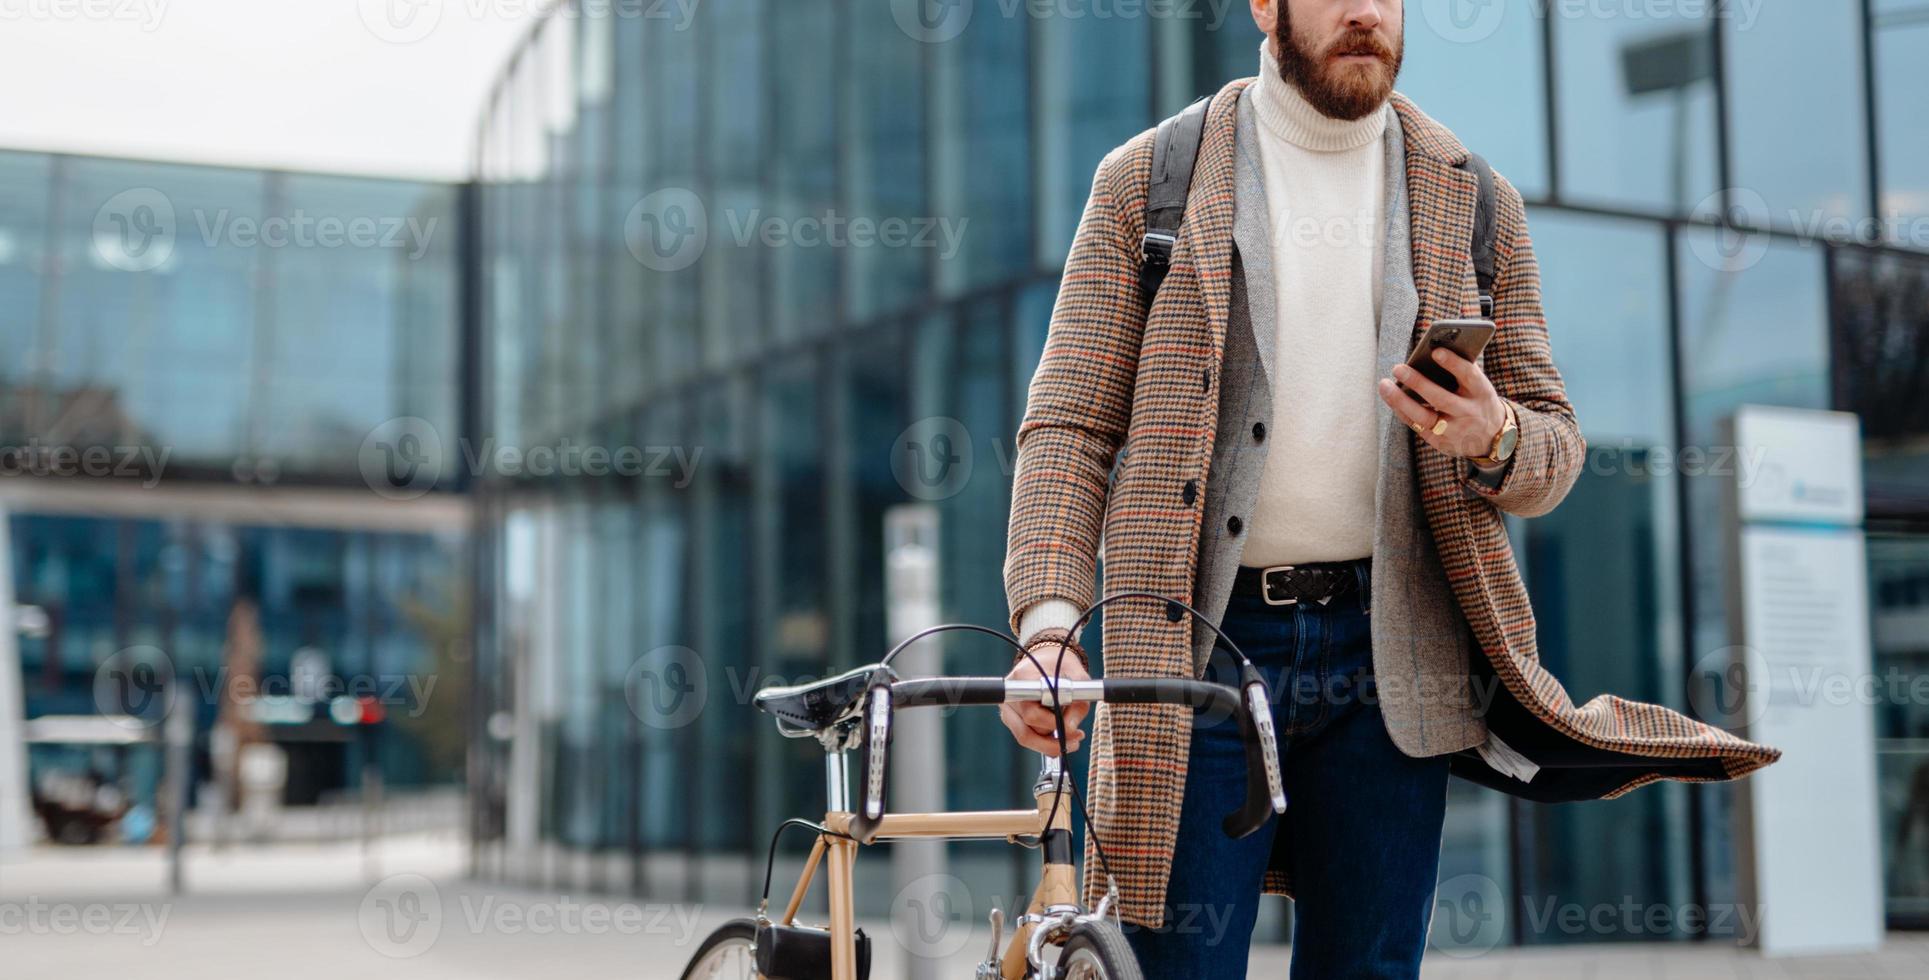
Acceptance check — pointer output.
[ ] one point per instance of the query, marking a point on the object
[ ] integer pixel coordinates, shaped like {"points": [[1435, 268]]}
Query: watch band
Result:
{"points": [[1512, 424]]}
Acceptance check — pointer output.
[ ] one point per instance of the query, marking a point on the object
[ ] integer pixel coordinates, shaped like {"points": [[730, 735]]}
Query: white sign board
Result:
{"points": [[1804, 633]]}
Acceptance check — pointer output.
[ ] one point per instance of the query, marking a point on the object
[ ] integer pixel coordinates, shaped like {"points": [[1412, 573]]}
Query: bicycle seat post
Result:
{"points": [[836, 782]]}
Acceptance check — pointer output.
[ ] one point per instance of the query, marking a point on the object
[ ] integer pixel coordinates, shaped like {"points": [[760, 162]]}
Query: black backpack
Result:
{"points": [[1175, 150]]}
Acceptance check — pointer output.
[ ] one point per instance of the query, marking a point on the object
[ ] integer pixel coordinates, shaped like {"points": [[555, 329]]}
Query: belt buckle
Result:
{"points": [[1266, 586]]}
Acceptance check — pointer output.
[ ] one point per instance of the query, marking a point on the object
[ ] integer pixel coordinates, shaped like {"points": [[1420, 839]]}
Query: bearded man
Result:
{"points": [[1245, 442]]}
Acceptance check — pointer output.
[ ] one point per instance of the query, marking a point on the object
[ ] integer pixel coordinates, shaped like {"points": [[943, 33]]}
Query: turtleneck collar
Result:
{"points": [[1285, 113]]}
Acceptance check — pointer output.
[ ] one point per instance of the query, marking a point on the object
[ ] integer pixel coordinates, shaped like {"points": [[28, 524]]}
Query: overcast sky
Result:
{"points": [[383, 87]]}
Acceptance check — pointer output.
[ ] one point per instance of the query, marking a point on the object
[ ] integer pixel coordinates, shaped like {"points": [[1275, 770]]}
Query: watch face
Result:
{"points": [[1509, 438]]}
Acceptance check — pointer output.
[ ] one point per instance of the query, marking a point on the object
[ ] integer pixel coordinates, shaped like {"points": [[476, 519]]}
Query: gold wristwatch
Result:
{"points": [[1504, 442]]}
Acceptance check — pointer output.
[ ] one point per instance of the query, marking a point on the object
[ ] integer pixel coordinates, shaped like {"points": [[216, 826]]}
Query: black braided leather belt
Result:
{"points": [[1315, 582]]}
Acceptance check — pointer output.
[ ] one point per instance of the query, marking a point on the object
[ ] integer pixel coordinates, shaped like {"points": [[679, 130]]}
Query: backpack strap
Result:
{"points": [[1175, 149], [1482, 247]]}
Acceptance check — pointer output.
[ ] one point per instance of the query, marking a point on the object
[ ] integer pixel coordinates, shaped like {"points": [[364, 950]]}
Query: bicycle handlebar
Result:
{"points": [[1265, 792]]}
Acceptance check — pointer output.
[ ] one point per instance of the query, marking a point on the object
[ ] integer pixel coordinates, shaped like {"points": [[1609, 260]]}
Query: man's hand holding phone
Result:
{"points": [[1463, 422]]}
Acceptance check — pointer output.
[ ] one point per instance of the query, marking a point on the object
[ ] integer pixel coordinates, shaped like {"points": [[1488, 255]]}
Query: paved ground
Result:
{"points": [[301, 912]]}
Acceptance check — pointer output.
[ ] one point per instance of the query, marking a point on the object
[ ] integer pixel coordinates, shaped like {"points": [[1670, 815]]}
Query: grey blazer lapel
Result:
{"points": [[1420, 641], [1399, 298], [1252, 234]]}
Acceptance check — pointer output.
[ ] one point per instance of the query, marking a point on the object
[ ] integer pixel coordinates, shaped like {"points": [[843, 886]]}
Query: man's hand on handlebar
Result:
{"points": [[1032, 723]]}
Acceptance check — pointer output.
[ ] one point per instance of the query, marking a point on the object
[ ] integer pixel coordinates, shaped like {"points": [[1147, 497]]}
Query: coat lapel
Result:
{"points": [[1206, 237], [1252, 233], [1440, 199]]}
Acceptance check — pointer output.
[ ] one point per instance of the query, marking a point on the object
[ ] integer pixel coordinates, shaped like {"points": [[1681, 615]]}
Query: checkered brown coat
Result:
{"points": [[1116, 385]]}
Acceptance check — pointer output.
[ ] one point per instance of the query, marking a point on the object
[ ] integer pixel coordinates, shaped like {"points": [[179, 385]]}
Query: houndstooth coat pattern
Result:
{"points": [[1122, 415]]}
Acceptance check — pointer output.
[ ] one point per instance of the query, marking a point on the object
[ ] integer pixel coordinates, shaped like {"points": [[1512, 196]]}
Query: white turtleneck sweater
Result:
{"points": [[1325, 190]]}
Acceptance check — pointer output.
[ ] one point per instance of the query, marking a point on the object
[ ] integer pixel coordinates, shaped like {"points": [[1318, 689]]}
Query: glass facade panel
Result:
{"points": [[1901, 43], [229, 324], [1791, 142], [1635, 101], [1482, 74]]}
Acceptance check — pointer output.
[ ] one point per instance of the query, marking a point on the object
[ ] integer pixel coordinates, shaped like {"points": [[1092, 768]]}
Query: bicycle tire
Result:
{"points": [[1097, 951], [713, 952]]}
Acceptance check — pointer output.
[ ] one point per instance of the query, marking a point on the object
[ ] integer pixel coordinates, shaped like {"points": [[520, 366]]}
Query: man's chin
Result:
{"points": [[1350, 98]]}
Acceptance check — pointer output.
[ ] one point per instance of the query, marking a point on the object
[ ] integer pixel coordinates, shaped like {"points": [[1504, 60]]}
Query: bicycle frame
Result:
{"points": [[1054, 902], [855, 709]]}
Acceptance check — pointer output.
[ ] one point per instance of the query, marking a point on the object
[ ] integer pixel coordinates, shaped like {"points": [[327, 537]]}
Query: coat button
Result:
{"points": [[1207, 376], [1259, 432], [1173, 613], [1190, 493], [1233, 524]]}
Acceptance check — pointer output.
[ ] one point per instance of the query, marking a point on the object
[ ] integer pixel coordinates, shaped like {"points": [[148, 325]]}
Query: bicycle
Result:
{"points": [[855, 710]]}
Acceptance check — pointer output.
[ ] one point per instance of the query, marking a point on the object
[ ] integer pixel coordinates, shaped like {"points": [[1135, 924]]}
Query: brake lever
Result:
{"points": [[877, 713], [1262, 758]]}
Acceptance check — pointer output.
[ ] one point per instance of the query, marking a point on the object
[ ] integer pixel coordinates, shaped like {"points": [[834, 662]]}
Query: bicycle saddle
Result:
{"points": [[819, 704]]}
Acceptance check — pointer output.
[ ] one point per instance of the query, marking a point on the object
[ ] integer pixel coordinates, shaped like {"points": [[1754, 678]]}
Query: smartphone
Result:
{"points": [[1464, 337]]}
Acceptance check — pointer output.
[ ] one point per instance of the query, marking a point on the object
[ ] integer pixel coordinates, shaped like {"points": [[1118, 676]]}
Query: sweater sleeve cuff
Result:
{"points": [[1046, 614]]}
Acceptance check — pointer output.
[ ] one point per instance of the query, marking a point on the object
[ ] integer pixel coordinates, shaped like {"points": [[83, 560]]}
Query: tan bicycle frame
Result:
{"points": [[837, 852]]}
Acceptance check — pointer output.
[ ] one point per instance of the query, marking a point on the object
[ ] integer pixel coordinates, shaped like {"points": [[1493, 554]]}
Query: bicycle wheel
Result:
{"points": [[730, 953], [1097, 951]]}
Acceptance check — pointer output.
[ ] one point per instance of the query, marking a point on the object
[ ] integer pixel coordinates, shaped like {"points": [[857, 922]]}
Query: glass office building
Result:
{"points": [[1726, 210], [195, 360]]}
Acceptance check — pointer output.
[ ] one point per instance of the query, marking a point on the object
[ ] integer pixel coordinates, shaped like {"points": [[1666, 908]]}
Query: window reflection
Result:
{"points": [[1795, 141], [1636, 104], [1484, 83]]}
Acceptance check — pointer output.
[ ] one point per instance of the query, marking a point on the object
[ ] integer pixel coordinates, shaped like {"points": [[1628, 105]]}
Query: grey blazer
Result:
{"points": [[1421, 642]]}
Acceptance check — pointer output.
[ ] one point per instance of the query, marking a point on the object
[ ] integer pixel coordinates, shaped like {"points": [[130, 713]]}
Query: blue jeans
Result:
{"points": [[1362, 823]]}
